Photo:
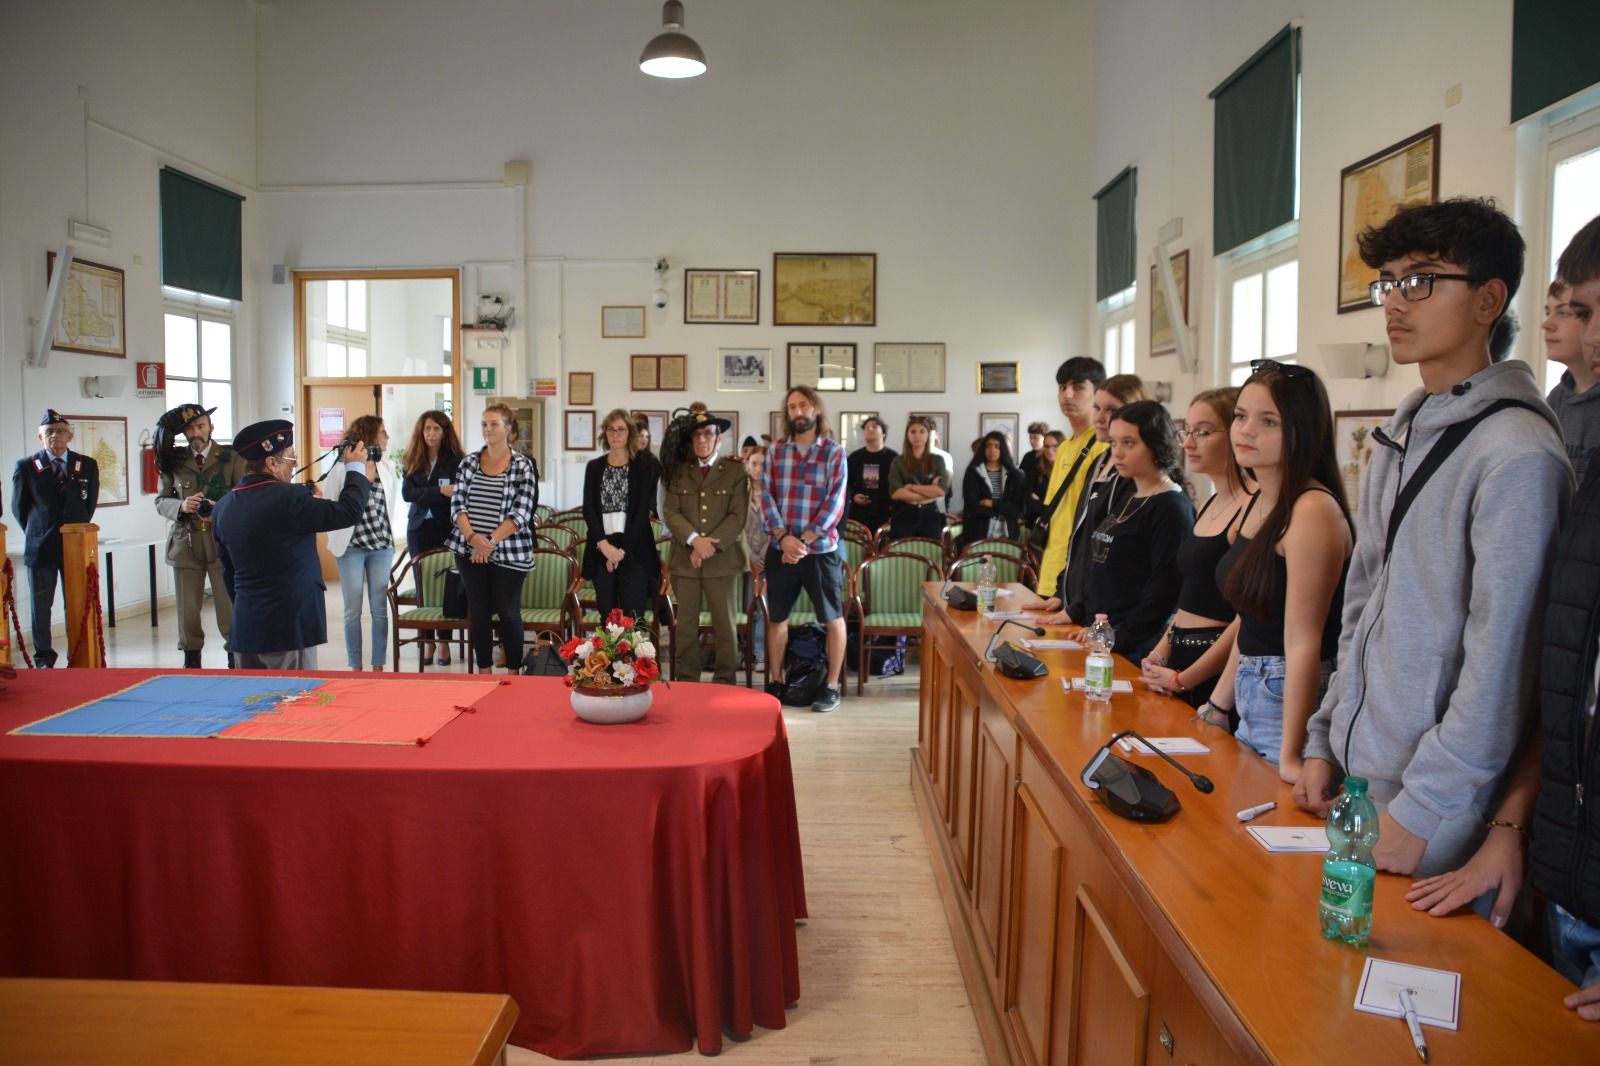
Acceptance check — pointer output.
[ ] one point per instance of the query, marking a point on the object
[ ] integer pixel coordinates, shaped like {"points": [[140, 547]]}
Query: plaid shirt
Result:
{"points": [[372, 532], [804, 490], [522, 496]]}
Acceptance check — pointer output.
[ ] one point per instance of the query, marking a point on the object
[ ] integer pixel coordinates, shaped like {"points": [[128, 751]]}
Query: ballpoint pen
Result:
{"points": [[1410, 1010], [1252, 812]]}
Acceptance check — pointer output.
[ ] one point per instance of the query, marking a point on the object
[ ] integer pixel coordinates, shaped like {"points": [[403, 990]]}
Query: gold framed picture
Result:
{"points": [[825, 289], [1402, 175], [722, 297], [999, 377], [658, 373], [104, 438], [1163, 338], [622, 320], [92, 319], [580, 387]]}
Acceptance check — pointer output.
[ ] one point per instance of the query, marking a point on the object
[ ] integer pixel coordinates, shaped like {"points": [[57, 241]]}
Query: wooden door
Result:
{"points": [[342, 405]]}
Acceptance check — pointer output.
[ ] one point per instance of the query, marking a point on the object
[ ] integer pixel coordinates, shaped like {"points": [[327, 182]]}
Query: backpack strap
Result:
{"points": [[1050, 504], [1448, 442]]}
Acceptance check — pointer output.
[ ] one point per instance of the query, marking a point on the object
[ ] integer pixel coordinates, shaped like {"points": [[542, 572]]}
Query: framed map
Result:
{"points": [[1352, 448], [1402, 175], [91, 310], [104, 438], [1163, 341], [825, 289]]}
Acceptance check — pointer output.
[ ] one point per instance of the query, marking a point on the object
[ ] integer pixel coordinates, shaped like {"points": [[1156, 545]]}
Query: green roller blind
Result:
{"points": [[1256, 144], [201, 236], [1553, 52], [1114, 234]]}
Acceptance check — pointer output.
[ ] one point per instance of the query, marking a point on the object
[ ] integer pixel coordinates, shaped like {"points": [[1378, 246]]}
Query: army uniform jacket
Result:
{"points": [[713, 506], [189, 543]]}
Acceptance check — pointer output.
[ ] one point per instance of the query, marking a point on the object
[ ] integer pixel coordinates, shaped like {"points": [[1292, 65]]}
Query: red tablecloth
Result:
{"points": [[634, 887]]}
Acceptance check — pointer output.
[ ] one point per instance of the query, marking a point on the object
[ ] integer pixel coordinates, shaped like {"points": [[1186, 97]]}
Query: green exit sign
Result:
{"points": [[483, 379]]}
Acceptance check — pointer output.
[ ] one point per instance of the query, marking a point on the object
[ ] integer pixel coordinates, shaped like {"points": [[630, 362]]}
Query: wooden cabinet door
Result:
{"points": [[993, 795], [1038, 860], [927, 713], [1110, 1004], [963, 711]]}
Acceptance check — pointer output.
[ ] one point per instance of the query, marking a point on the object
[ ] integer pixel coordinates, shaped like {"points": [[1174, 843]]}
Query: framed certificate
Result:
{"points": [[722, 297], [674, 376], [658, 373], [999, 377], [916, 367], [622, 320], [580, 427], [824, 367], [580, 387]]}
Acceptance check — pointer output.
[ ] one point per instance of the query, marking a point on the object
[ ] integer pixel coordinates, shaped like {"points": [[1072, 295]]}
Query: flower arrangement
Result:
{"points": [[618, 658]]}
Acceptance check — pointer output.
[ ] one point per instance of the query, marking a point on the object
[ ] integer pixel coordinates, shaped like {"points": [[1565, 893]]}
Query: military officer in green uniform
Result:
{"points": [[192, 480], [705, 504]]}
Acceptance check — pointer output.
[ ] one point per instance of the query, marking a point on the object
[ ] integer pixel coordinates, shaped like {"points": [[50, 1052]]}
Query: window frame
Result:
{"points": [[1119, 311], [1260, 256], [1568, 132], [201, 307]]}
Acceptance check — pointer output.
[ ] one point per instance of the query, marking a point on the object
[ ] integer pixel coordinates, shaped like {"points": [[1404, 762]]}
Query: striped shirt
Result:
{"points": [[489, 499], [997, 489]]}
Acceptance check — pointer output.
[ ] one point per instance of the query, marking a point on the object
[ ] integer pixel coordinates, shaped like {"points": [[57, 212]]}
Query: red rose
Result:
{"points": [[623, 647], [569, 649], [646, 670], [625, 622], [615, 617]]}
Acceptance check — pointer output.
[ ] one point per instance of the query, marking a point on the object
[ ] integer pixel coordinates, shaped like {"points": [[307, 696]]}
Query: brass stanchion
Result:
{"points": [[80, 544]]}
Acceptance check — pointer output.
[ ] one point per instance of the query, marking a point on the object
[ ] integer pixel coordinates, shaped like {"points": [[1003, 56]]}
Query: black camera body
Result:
{"points": [[205, 507], [374, 453]]}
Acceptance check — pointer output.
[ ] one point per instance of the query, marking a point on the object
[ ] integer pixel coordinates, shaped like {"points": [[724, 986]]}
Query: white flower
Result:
{"points": [[583, 651], [644, 650], [614, 629], [624, 672]]}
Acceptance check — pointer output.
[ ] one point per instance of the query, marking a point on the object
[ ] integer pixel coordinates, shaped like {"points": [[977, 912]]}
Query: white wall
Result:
{"points": [[1373, 75], [944, 136], [167, 81]]}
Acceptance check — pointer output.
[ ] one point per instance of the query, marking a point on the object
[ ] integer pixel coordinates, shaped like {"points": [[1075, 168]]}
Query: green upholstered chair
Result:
{"points": [[1007, 569], [930, 549], [550, 595], [559, 536], [889, 601], [422, 620]]}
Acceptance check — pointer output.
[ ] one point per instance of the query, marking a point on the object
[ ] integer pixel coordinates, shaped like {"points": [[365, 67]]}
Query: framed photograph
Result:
{"points": [[999, 377], [1163, 340], [529, 413], [92, 318], [622, 320], [908, 367], [940, 421], [1352, 448], [744, 370], [658, 373], [580, 431], [1402, 175], [1009, 424], [824, 367], [722, 297], [657, 421], [728, 444], [850, 423], [104, 438], [580, 387], [825, 289], [777, 425]]}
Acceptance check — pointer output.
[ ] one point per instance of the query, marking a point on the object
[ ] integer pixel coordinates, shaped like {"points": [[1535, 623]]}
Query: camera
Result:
{"points": [[374, 453], [205, 507]]}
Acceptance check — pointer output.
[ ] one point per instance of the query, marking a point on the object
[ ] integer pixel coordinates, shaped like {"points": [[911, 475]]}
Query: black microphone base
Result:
{"points": [[961, 599], [1140, 797], [1012, 661]]}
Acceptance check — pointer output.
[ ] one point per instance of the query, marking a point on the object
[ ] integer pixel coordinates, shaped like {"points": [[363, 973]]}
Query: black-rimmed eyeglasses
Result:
{"points": [[1413, 287], [1199, 436]]}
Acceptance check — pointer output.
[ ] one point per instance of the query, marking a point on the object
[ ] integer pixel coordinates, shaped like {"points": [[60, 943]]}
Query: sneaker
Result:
{"points": [[827, 700], [776, 689]]}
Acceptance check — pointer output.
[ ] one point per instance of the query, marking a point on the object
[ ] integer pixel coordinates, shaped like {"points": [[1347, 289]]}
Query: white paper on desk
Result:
{"points": [[1290, 837], [1170, 745], [1435, 993], [998, 593], [1082, 684], [1001, 616], [1052, 645]]}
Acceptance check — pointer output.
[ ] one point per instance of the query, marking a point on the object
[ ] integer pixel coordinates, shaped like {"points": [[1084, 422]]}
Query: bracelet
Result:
{"points": [[1498, 822], [1177, 679]]}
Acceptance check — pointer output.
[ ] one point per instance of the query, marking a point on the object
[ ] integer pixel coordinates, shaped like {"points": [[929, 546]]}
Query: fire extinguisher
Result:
{"points": [[149, 480]]}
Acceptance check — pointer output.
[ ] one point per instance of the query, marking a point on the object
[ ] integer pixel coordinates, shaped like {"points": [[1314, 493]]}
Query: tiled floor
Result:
{"points": [[878, 977]]}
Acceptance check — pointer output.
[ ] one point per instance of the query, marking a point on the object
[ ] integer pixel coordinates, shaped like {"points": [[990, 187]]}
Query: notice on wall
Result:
{"points": [[541, 386], [330, 426]]}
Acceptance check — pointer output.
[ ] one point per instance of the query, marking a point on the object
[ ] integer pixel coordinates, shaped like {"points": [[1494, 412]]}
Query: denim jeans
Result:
{"points": [[355, 566], [1575, 947], [1258, 697]]}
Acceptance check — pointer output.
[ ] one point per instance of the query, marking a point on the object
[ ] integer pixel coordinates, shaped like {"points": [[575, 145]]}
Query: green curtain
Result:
{"points": [[1114, 234], [201, 236], [1256, 143], [1554, 52]]}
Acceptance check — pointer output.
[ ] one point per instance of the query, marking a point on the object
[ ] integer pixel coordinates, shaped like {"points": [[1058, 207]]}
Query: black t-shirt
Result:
{"points": [[1132, 573], [867, 473]]}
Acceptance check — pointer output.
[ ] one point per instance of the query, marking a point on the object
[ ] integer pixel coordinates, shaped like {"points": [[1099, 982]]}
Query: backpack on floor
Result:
{"points": [[542, 660], [886, 656], [805, 665]]}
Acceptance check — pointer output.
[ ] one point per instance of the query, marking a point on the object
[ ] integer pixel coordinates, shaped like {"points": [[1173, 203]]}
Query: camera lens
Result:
{"points": [[205, 508]]}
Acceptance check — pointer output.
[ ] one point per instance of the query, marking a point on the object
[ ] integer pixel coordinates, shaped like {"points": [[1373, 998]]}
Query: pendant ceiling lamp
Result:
{"points": [[672, 54]]}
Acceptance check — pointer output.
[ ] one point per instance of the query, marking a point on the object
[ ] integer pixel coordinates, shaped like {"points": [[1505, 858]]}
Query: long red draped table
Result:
{"points": [[634, 888]]}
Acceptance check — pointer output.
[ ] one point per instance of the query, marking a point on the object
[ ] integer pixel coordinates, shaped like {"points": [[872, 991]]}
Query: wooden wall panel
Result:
{"points": [[997, 743], [963, 771], [1037, 859], [1110, 1004]]}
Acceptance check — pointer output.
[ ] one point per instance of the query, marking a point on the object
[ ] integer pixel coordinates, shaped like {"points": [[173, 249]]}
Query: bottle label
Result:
{"points": [[1347, 887], [1097, 672]]}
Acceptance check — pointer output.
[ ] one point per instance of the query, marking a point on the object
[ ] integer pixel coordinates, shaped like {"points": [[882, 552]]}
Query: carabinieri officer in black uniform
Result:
{"points": [[266, 532], [52, 486]]}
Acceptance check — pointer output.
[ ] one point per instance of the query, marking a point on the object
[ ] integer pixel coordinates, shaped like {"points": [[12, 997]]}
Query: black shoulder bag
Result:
{"points": [[1039, 535]]}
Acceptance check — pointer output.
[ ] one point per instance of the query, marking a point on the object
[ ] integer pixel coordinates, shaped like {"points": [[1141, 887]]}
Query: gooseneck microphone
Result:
{"points": [[959, 599], [1011, 660], [1201, 782], [988, 653]]}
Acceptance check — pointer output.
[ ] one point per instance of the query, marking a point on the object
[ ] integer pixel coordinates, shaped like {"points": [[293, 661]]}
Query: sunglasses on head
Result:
{"points": [[1289, 371]]}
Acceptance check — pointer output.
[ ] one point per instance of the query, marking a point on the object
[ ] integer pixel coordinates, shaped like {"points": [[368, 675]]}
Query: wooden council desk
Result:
{"points": [[1086, 938]]}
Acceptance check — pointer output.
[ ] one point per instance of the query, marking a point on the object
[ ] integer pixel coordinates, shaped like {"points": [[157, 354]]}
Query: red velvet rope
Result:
{"points": [[10, 608], [91, 605]]}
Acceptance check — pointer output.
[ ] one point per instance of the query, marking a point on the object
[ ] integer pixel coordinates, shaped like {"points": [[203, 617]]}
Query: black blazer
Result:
{"points": [[428, 524], [42, 506], [266, 533], [975, 487], [636, 538]]}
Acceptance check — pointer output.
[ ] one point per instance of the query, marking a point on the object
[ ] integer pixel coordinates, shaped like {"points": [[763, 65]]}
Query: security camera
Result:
{"points": [[659, 298]]}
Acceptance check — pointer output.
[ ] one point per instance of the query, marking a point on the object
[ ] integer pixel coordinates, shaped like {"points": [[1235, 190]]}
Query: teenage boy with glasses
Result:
{"points": [[1440, 636]]}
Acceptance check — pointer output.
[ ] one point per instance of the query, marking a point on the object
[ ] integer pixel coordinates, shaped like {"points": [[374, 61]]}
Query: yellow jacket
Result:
{"points": [[1055, 549]]}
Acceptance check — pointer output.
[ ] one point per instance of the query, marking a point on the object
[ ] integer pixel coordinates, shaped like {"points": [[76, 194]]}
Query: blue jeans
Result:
{"points": [[356, 565], [1258, 697], [1574, 947]]}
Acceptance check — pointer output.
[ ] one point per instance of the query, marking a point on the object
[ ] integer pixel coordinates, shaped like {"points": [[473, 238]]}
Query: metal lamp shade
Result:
{"points": [[672, 54]]}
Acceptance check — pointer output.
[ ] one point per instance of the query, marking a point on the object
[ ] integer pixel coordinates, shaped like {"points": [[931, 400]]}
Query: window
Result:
{"points": [[1117, 324], [199, 352], [1262, 298], [1573, 179], [348, 340]]}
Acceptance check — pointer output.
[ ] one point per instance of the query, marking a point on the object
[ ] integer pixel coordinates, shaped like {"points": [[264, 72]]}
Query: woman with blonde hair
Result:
{"points": [[492, 508], [619, 489]]}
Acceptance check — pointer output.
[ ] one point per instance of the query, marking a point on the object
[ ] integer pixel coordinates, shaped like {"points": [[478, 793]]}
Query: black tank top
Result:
{"points": [[1263, 634], [1197, 561]]}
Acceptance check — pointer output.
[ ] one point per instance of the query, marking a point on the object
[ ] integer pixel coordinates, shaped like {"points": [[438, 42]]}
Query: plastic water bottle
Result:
{"points": [[1348, 871], [1098, 639], [986, 575]]}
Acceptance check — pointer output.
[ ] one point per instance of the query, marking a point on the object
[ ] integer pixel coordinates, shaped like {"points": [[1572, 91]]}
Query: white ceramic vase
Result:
{"points": [[612, 706]]}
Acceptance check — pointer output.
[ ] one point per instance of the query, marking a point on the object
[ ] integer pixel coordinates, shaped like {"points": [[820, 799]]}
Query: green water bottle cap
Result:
{"points": [[1356, 786]]}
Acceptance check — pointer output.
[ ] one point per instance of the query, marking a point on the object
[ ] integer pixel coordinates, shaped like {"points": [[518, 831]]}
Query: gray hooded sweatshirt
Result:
{"points": [[1578, 414], [1439, 649]]}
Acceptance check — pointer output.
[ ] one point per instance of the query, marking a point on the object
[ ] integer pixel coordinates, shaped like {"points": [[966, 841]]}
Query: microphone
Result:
{"points": [[1011, 660], [1201, 782], [959, 599]]}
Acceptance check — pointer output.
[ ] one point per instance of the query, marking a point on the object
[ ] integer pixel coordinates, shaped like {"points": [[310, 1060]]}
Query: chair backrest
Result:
{"points": [[926, 547], [427, 572], [855, 529], [560, 536], [856, 552], [542, 513], [996, 546], [892, 582], [554, 574], [1007, 568]]}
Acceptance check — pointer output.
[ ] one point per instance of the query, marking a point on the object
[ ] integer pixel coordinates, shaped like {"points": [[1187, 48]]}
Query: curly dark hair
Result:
{"points": [[1159, 434], [1471, 232]]}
